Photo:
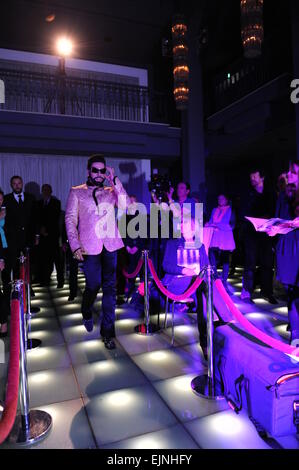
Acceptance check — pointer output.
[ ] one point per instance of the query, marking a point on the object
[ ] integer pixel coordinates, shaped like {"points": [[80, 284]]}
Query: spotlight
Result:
{"points": [[64, 47]]}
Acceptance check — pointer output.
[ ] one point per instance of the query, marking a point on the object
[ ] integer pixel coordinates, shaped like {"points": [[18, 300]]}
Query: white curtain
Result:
{"points": [[63, 171]]}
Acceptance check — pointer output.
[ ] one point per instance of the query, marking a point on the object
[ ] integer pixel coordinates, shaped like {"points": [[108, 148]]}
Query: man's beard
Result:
{"points": [[92, 182]]}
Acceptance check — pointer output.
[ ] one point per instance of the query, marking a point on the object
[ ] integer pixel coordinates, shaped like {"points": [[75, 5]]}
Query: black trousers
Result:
{"points": [[50, 255], [258, 251], [101, 270], [293, 310], [73, 273], [218, 256]]}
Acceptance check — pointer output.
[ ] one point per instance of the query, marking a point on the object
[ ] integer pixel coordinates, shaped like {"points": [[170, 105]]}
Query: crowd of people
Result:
{"points": [[54, 241]]}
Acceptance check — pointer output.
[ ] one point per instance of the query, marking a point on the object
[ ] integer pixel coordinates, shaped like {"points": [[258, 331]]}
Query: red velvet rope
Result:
{"points": [[272, 342], [12, 393], [134, 274], [170, 295], [23, 278]]}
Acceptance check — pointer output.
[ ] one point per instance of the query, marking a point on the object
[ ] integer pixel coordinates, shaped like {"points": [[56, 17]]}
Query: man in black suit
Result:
{"points": [[21, 229], [49, 212]]}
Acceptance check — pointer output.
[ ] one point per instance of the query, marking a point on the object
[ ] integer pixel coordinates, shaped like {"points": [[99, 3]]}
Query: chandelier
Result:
{"points": [[252, 27], [180, 62]]}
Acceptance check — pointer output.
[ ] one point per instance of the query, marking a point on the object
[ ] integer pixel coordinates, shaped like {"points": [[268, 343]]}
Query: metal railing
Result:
{"points": [[31, 91]]}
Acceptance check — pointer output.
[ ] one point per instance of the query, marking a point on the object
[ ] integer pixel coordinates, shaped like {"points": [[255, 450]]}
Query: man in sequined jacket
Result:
{"points": [[94, 238]]}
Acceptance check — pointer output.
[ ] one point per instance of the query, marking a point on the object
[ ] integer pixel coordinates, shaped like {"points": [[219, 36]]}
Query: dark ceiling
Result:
{"points": [[131, 31]]}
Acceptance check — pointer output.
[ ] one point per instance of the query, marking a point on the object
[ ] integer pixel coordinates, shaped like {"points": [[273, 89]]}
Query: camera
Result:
{"points": [[160, 186]]}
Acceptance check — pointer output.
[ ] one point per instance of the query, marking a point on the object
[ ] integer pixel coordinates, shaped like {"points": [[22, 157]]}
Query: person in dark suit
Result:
{"points": [[21, 229], [49, 212]]}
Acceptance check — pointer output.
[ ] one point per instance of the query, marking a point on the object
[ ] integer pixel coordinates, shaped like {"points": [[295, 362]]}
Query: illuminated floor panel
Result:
{"points": [[172, 438], [103, 376], [138, 344], [48, 338], [87, 352], [163, 364], [47, 358], [183, 334], [225, 430], [113, 414], [180, 398], [52, 386], [70, 429], [39, 323]]}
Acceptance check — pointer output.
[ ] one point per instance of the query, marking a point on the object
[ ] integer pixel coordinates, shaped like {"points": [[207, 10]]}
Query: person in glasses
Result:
{"points": [[94, 239]]}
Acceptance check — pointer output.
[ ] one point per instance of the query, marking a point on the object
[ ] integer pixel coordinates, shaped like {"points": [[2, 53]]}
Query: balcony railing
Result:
{"points": [[240, 79], [61, 94]]}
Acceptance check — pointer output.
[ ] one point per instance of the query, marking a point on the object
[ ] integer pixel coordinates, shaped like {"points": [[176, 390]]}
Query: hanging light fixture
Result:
{"points": [[252, 27], [180, 62]]}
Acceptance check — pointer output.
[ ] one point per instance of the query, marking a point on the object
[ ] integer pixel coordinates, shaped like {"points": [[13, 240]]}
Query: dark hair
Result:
{"points": [[15, 177], [47, 185], [188, 187], [1, 192], [294, 162], [98, 157], [225, 195], [257, 170]]}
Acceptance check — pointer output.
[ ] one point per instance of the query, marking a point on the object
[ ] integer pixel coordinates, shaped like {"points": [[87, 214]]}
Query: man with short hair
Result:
{"points": [[183, 197], [258, 248], [90, 211], [49, 212], [21, 229]]}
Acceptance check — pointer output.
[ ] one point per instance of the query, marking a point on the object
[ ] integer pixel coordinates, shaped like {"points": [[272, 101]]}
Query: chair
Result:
{"points": [[182, 302]]}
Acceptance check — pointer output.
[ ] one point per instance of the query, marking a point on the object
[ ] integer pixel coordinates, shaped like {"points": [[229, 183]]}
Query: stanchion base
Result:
{"points": [[143, 330], [201, 385], [40, 425], [33, 343], [34, 309]]}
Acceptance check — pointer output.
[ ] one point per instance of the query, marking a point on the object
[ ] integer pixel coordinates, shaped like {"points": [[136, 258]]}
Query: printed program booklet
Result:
{"points": [[282, 226]]}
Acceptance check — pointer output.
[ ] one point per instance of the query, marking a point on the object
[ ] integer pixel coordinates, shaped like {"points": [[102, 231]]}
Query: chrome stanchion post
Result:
{"points": [[205, 385], [30, 310], [146, 328], [30, 343], [29, 426]]}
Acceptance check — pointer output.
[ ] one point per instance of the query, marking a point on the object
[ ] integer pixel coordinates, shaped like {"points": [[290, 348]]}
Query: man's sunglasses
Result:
{"points": [[96, 170]]}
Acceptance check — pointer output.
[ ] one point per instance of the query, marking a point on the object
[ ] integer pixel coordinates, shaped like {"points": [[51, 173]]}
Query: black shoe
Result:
{"points": [[71, 298], [120, 301], [88, 325], [32, 294], [248, 300], [270, 298], [109, 343], [60, 285]]}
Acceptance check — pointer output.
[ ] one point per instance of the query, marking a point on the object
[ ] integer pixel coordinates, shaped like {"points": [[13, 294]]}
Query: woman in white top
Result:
{"points": [[222, 243]]}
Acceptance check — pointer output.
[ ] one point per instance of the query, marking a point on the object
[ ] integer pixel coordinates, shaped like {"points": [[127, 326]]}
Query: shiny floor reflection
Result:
{"points": [[138, 395]]}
